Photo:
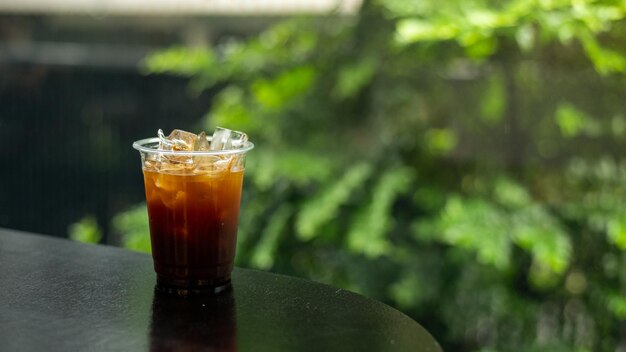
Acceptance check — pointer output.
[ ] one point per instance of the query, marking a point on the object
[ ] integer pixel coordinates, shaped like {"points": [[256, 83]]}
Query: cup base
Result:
{"points": [[186, 288]]}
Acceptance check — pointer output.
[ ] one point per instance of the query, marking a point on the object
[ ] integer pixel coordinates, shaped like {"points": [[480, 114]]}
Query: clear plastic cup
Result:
{"points": [[193, 200]]}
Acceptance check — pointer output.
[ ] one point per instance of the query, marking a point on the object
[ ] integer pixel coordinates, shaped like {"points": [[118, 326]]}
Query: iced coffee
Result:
{"points": [[193, 190]]}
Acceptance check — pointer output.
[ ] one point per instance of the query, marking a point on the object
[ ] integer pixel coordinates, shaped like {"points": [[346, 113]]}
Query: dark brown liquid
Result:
{"points": [[193, 226]]}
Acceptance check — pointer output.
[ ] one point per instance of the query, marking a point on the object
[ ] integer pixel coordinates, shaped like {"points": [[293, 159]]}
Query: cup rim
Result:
{"points": [[140, 145]]}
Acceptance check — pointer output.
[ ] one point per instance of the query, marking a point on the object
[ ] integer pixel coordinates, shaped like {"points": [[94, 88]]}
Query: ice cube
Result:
{"points": [[224, 139], [164, 143], [221, 139], [238, 139], [202, 143], [175, 165], [177, 140], [205, 163], [151, 161], [238, 163], [212, 164]]}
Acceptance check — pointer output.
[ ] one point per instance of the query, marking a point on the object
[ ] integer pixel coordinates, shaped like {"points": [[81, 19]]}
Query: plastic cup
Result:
{"points": [[193, 200]]}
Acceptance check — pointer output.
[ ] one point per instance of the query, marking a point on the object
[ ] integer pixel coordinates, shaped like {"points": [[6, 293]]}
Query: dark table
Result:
{"points": [[65, 296]]}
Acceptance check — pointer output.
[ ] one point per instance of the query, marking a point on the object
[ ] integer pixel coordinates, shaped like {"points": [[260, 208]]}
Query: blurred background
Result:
{"points": [[460, 160]]}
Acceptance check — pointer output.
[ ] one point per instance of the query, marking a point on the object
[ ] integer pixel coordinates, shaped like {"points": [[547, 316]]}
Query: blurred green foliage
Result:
{"points": [[86, 230], [133, 223], [461, 160]]}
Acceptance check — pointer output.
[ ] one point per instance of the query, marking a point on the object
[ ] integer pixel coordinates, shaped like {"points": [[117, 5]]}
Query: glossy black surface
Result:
{"points": [[64, 296]]}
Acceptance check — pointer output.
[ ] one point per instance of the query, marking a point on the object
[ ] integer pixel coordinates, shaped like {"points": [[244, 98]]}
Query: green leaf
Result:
{"points": [[231, 109], [373, 222], [486, 19], [280, 91], [478, 45], [353, 77], [265, 251], [525, 37], [133, 226], [477, 226], [511, 194], [299, 167], [324, 207], [440, 140], [430, 197], [535, 230], [616, 304], [407, 291], [616, 231], [605, 60], [570, 120], [415, 30], [86, 230], [180, 61]]}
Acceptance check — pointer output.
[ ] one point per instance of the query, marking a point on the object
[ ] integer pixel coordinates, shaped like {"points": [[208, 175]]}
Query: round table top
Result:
{"points": [[66, 296]]}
